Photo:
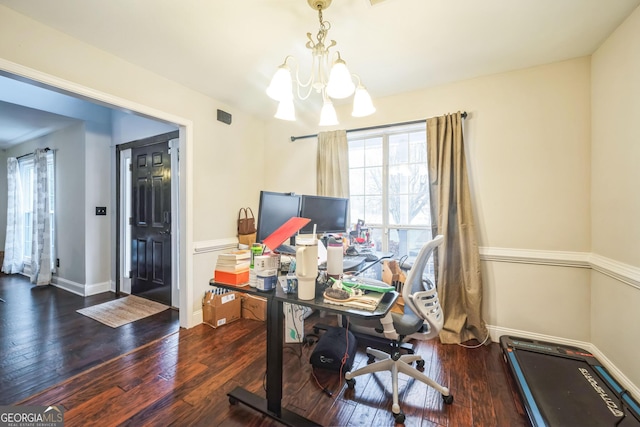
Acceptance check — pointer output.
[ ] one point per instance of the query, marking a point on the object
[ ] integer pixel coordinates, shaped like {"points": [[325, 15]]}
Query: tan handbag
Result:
{"points": [[246, 227]]}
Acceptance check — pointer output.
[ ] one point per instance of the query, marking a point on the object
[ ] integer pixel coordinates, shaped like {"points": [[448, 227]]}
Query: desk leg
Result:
{"points": [[272, 406], [275, 341]]}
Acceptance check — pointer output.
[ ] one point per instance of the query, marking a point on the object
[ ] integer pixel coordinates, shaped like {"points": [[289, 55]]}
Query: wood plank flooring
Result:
{"points": [[183, 379], [43, 341]]}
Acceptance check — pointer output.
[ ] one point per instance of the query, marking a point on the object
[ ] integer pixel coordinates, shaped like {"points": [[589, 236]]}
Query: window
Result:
{"points": [[389, 187], [27, 178]]}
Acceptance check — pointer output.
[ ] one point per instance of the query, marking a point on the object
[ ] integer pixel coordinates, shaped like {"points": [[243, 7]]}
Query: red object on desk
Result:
{"points": [[285, 231], [231, 278]]}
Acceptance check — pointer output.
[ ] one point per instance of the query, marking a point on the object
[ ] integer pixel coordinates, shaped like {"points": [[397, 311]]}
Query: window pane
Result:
{"points": [[418, 147], [356, 182], [373, 152], [398, 149], [399, 178], [356, 153], [373, 210], [398, 209], [407, 242], [356, 207], [420, 210], [373, 181]]}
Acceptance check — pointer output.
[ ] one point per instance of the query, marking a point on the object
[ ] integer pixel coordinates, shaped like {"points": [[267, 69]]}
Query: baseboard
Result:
{"points": [[68, 285], [496, 332], [80, 289], [97, 288], [197, 317]]}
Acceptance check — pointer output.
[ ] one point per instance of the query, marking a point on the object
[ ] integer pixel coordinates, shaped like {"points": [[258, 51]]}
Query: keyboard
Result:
{"points": [[286, 249], [352, 262]]}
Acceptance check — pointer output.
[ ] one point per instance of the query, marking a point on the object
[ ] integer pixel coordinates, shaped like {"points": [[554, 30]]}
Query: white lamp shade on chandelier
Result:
{"points": [[340, 84]]}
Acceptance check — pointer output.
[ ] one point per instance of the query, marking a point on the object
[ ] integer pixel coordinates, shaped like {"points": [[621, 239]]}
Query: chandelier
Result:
{"points": [[333, 82]]}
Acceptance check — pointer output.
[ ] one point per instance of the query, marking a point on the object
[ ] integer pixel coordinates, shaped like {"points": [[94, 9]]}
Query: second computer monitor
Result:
{"points": [[329, 214]]}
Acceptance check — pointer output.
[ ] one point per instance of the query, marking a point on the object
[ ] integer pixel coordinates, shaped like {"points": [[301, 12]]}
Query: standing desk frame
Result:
{"points": [[272, 405]]}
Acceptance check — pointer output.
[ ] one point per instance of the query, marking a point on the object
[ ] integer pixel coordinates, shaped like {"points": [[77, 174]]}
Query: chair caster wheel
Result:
{"points": [[370, 360], [447, 399], [351, 384], [420, 364], [233, 400], [399, 418]]}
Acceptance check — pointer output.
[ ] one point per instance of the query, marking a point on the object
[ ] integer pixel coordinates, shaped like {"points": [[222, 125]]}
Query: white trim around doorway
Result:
{"points": [[185, 203]]}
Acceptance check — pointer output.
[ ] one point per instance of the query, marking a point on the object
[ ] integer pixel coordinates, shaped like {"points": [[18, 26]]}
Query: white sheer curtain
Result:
{"points": [[333, 164], [13, 246], [41, 241]]}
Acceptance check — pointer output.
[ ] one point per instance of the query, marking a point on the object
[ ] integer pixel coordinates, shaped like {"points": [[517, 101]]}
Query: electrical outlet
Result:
{"points": [[101, 210], [57, 262]]}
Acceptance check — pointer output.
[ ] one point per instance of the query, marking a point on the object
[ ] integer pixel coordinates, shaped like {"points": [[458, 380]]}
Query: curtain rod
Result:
{"points": [[414, 122], [31, 154]]}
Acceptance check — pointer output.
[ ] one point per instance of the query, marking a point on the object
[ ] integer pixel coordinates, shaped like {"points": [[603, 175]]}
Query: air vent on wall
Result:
{"points": [[224, 117]]}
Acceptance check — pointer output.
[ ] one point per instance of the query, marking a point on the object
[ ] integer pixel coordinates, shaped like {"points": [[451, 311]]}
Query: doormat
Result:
{"points": [[123, 310]]}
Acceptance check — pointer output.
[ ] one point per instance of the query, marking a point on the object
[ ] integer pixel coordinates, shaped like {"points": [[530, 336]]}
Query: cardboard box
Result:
{"points": [[220, 309], [254, 308]]}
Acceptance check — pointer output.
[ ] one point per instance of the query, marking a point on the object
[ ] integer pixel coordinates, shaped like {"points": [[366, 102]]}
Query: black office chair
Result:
{"points": [[422, 320]]}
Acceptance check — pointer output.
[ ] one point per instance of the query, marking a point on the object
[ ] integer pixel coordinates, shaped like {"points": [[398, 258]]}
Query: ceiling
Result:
{"points": [[229, 49], [19, 123]]}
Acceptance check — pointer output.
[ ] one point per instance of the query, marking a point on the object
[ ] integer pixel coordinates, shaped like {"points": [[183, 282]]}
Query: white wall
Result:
{"points": [[97, 189], [68, 144], [615, 196]]}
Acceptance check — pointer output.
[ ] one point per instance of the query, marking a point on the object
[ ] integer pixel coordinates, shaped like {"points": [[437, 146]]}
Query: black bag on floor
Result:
{"points": [[332, 347]]}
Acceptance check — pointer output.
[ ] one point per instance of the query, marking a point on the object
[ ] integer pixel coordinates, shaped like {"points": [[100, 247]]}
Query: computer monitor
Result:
{"points": [[275, 209], [329, 214]]}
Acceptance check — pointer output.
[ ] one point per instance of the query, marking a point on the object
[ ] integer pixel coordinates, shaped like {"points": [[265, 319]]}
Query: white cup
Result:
{"points": [[306, 267]]}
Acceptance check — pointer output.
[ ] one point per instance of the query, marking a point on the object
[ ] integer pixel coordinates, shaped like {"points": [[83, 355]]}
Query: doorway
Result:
{"points": [[147, 247]]}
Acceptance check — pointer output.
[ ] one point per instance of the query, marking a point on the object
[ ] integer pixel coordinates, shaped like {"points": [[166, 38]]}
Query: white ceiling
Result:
{"points": [[228, 49], [19, 123]]}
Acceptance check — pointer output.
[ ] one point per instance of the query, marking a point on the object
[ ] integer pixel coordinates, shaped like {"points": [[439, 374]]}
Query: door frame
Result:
{"points": [[123, 209], [185, 129]]}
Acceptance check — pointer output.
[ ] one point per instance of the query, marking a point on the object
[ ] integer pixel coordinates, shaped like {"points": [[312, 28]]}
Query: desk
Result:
{"points": [[272, 405]]}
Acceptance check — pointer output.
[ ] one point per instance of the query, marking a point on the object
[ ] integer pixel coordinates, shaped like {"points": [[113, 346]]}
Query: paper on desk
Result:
{"points": [[367, 302]]}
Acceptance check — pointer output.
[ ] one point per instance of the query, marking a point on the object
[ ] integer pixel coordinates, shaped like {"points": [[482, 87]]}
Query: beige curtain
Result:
{"points": [[459, 278], [333, 164]]}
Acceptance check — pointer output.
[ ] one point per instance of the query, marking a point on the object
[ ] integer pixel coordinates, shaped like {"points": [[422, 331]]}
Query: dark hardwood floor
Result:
{"points": [[183, 379], [43, 341]]}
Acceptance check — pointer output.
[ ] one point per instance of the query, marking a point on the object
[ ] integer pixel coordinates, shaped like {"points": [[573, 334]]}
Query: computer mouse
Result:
{"points": [[351, 251], [370, 257]]}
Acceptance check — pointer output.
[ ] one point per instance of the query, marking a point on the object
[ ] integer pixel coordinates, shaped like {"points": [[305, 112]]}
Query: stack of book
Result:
{"points": [[233, 268]]}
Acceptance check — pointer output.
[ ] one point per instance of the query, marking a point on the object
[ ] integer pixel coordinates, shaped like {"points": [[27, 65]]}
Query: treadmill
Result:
{"points": [[566, 386]]}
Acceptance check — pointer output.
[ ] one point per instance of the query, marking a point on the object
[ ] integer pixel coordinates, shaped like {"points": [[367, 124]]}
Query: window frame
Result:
{"points": [[386, 227]]}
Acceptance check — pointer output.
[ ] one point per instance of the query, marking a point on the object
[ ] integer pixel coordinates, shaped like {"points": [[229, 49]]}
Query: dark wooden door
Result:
{"points": [[151, 222]]}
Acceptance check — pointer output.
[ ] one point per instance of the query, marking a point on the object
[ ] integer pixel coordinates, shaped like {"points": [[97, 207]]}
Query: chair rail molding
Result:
{"points": [[215, 245], [620, 271], [534, 256]]}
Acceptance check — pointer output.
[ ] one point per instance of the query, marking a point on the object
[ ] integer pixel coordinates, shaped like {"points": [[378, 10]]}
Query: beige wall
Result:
{"points": [[528, 149], [615, 196]]}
